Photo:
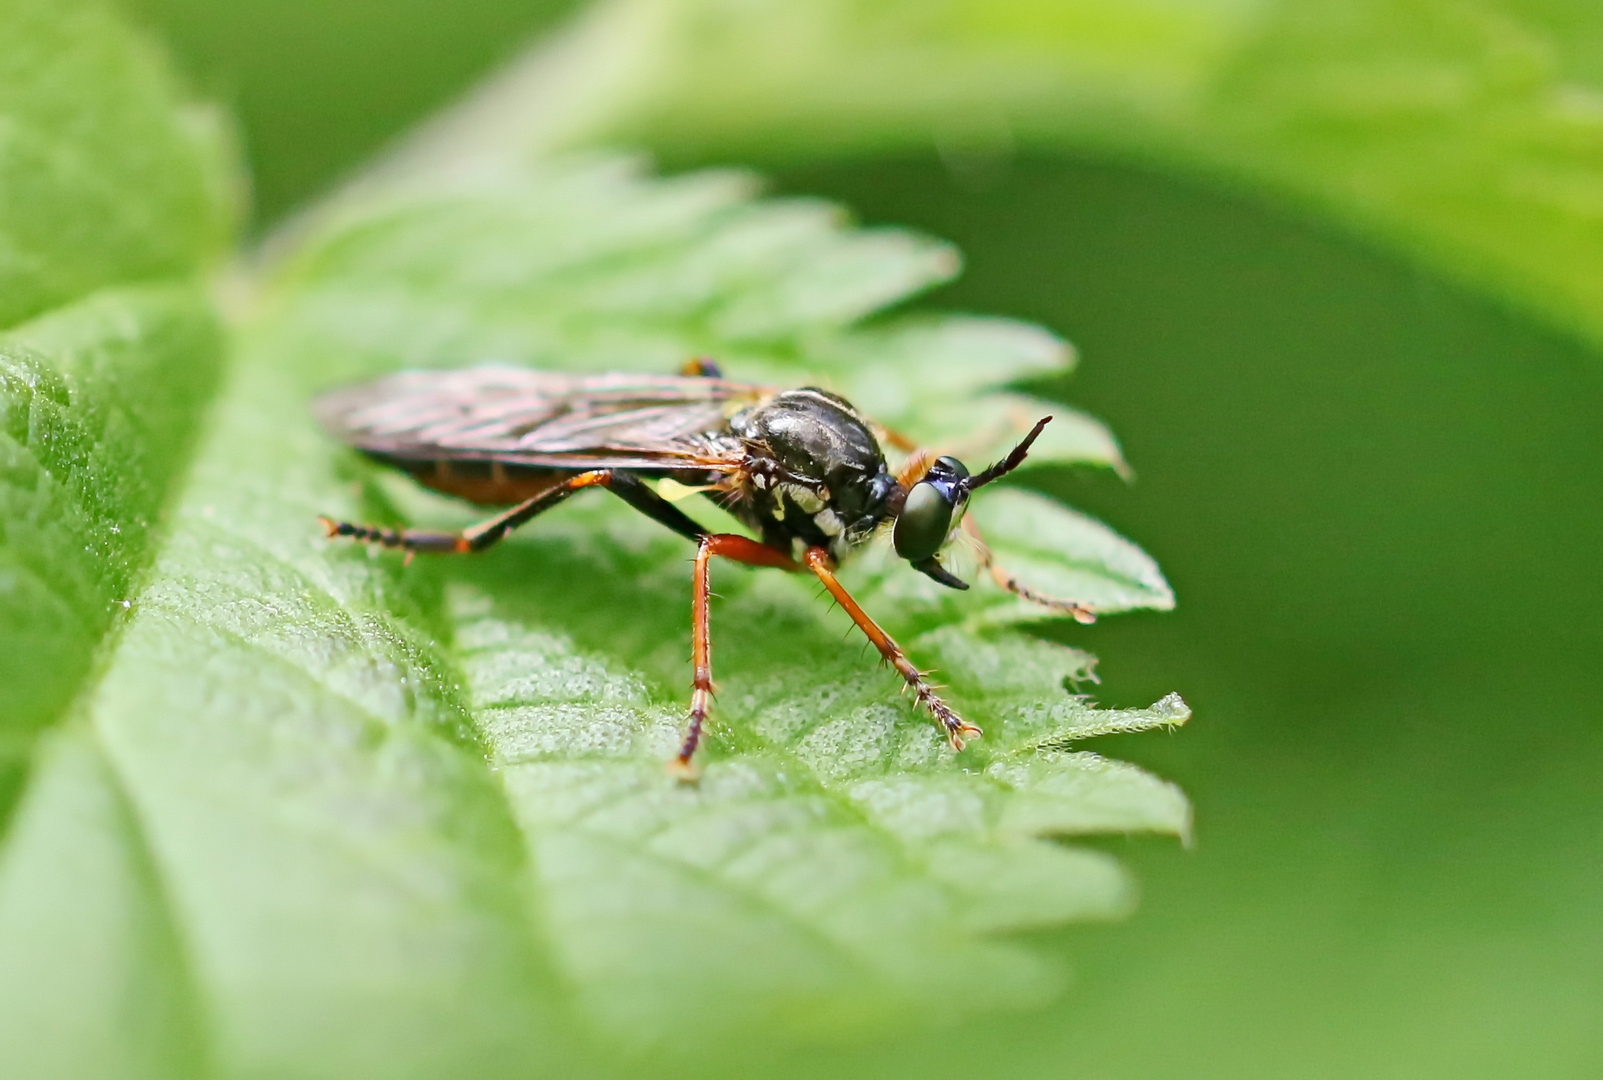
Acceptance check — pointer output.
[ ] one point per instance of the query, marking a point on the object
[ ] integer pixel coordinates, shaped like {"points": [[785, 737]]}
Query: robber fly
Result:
{"points": [[802, 468]]}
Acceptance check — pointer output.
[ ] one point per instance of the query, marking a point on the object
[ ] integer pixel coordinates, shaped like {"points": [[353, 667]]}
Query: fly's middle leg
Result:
{"points": [[740, 549]]}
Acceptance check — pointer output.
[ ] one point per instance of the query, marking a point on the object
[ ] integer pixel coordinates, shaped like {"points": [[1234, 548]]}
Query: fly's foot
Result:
{"points": [[410, 542], [363, 534], [956, 729], [1083, 614], [683, 770]]}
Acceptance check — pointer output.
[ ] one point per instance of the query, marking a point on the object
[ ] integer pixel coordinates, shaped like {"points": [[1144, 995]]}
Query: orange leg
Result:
{"points": [[897, 439], [954, 726], [740, 549], [1081, 613]]}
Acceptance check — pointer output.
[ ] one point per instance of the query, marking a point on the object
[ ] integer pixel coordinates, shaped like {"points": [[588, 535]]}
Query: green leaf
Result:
{"points": [[323, 702], [98, 402], [301, 729], [95, 983], [338, 816], [108, 184], [106, 175], [980, 358], [1466, 134]]}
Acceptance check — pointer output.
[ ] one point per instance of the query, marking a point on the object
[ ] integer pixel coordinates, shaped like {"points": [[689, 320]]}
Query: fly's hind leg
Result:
{"points": [[954, 727], [474, 538], [628, 487]]}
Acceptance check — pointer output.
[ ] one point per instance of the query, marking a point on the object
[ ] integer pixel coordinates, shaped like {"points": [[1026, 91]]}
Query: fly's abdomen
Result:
{"points": [[487, 483]]}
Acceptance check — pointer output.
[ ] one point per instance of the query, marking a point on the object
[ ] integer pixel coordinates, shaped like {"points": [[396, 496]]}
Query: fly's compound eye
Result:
{"points": [[926, 516], [922, 525]]}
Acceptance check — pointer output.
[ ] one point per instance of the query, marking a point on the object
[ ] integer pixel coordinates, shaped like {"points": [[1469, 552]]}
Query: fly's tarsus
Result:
{"points": [[956, 728], [1081, 613], [405, 539]]}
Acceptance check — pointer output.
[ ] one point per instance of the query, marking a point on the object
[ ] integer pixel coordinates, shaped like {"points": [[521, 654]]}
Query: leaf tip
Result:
{"points": [[1171, 710]]}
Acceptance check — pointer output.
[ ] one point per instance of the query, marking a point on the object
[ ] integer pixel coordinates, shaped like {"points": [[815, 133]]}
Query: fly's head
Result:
{"points": [[933, 508], [929, 516]]}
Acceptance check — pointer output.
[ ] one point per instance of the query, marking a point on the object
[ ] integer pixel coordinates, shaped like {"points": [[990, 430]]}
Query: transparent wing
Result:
{"points": [[543, 418]]}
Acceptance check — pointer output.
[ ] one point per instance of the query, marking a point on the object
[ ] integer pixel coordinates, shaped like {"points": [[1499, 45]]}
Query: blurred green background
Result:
{"points": [[1376, 492]]}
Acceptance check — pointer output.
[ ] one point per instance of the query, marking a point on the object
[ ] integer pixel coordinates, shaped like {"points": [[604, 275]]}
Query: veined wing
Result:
{"points": [[543, 418]]}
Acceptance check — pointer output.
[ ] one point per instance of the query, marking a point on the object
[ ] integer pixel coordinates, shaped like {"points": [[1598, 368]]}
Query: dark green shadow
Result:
{"points": [[317, 86]]}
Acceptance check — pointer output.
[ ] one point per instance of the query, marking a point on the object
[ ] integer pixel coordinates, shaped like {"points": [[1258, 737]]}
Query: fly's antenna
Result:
{"points": [[1015, 458]]}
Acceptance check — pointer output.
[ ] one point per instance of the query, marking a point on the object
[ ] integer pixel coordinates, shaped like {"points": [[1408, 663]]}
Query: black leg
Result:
{"points": [[628, 487], [640, 495]]}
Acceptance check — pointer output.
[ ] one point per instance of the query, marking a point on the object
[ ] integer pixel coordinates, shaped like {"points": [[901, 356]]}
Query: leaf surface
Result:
{"points": [[112, 196], [836, 861], [99, 402]]}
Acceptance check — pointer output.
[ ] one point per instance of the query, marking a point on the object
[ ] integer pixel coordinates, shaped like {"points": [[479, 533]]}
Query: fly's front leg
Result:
{"points": [[730, 546], [955, 727], [1081, 613]]}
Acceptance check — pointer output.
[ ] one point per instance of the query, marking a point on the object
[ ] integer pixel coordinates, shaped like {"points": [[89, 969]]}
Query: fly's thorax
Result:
{"points": [[817, 475]]}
